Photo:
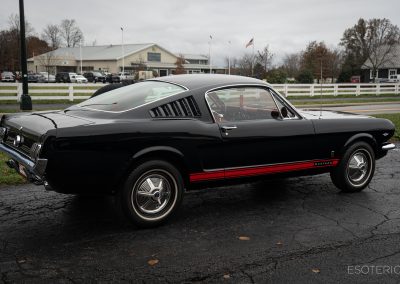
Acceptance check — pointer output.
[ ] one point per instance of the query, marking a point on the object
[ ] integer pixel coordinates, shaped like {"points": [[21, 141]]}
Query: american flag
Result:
{"points": [[251, 42]]}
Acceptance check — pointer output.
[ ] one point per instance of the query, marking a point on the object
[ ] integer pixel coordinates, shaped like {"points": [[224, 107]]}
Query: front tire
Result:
{"points": [[152, 193], [355, 169]]}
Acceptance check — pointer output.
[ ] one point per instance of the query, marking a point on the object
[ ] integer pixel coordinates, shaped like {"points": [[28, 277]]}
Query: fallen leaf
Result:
{"points": [[279, 243], [21, 261], [244, 238], [315, 270], [152, 262], [227, 276]]}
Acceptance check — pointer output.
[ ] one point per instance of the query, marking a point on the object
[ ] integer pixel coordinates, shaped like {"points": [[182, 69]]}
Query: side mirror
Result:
{"points": [[275, 114], [284, 112]]}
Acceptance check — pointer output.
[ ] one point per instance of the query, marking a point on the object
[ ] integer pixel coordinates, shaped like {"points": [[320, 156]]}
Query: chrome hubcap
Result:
{"points": [[153, 193], [358, 167]]}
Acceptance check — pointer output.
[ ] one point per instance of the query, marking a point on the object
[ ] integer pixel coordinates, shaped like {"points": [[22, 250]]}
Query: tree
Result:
{"points": [[305, 77], [179, 65], [52, 34], [264, 58], [245, 65], [371, 43], [71, 33], [49, 61], [291, 64], [277, 76]]}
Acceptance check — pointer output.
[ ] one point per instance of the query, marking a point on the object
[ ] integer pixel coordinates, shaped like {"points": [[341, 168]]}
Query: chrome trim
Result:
{"points": [[35, 170], [387, 147]]}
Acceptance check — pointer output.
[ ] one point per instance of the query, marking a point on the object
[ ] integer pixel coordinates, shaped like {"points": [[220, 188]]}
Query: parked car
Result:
{"points": [[63, 77], [33, 78], [126, 76], [112, 78], [149, 142], [78, 79], [47, 78], [94, 77], [7, 77]]}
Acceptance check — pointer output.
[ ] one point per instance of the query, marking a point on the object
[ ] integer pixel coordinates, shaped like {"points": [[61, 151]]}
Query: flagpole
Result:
{"points": [[252, 61], [123, 53], [229, 58], [209, 54]]}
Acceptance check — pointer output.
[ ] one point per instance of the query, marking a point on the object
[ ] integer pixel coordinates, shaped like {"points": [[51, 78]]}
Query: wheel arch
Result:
{"points": [[165, 153], [364, 137]]}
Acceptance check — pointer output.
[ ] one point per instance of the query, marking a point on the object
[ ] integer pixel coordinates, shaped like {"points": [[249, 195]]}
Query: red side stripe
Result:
{"points": [[262, 170]]}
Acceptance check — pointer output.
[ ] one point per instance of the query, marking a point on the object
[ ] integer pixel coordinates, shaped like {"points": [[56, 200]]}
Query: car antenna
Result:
{"points": [[320, 92]]}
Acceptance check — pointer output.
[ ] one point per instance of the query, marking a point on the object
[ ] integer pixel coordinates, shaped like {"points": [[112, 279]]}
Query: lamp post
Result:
{"points": [[80, 54], [26, 101], [123, 53]]}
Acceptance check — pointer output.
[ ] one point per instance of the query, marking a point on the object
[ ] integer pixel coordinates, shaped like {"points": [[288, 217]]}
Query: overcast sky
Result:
{"points": [[185, 25]]}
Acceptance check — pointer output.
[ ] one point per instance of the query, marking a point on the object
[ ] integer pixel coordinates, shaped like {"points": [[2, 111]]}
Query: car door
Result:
{"points": [[254, 132]]}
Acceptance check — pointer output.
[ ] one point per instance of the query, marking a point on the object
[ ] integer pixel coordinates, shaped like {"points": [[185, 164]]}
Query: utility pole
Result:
{"points": [[123, 53], [26, 101]]}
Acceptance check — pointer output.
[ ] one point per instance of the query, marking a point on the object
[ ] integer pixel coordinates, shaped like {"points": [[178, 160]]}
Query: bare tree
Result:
{"points": [[264, 58], [52, 35], [71, 33], [180, 69], [291, 64], [245, 65], [49, 61], [13, 22], [371, 42]]}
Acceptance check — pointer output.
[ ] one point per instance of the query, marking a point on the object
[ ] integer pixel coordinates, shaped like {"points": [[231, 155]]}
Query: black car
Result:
{"points": [[33, 78], [63, 77], [94, 77], [112, 78], [149, 142]]}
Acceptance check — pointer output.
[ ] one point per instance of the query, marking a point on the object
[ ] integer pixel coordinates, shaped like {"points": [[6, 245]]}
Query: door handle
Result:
{"points": [[226, 129]]}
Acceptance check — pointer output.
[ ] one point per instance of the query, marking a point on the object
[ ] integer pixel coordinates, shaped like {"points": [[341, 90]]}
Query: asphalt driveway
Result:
{"points": [[298, 230]]}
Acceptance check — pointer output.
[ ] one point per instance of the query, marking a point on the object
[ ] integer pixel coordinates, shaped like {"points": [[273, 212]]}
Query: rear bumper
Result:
{"points": [[389, 146], [33, 170]]}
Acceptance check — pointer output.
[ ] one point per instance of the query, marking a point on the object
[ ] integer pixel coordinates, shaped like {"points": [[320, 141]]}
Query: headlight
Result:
{"points": [[3, 132]]}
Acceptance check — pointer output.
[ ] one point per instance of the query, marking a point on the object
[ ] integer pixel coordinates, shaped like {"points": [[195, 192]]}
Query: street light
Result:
{"points": [[123, 53], [26, 101], [229, 58]]}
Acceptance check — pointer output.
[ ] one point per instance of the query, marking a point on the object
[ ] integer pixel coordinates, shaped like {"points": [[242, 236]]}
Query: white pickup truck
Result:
{"points": [[123, 76]]}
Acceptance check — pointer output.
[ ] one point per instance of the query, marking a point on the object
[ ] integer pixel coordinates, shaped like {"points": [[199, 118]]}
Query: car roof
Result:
{"points": [[195, 81]]}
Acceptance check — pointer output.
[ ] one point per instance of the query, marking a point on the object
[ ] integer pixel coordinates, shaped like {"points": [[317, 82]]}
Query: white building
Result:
{"points": [[109, 58]]}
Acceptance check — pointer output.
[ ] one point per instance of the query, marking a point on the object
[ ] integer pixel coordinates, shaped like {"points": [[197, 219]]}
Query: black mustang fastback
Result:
{"points": [[150, 141]]}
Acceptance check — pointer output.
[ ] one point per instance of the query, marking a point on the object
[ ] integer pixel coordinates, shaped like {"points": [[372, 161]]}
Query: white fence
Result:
{"points": [[71, 92]]}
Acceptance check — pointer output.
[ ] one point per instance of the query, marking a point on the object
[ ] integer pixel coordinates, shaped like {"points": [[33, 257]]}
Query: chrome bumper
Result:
{"points": [[34, 170], [387, 147]]}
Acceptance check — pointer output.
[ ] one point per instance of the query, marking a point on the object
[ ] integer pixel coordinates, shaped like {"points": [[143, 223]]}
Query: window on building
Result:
{"points": [[392, 73], [153, 56], [371, 74]]}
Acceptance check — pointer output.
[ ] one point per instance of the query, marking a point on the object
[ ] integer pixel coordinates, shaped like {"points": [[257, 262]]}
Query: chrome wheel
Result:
{"points": [[154, 194], [359, 167]]}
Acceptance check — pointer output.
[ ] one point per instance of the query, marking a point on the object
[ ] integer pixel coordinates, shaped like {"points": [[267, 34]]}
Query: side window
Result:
{"points": [[239, 104]]}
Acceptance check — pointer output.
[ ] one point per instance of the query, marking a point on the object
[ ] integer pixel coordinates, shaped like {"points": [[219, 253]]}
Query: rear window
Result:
{"points": [[132, 96]]}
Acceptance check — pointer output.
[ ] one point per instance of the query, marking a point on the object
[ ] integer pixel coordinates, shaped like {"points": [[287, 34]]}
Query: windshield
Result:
{"points": [[132, 96], [97, 74]]}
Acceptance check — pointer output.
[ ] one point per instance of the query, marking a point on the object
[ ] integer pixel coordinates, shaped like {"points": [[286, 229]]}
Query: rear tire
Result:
{"points": [[355, 169], [152, 193]]}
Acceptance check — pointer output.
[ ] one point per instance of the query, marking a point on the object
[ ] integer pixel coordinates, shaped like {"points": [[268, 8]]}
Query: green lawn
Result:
{"points": [[395, 118], [7, 175]]}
